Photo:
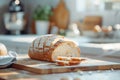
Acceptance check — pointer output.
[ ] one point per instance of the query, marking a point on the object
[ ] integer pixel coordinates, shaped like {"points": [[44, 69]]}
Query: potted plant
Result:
{"points": [[41, 16]]}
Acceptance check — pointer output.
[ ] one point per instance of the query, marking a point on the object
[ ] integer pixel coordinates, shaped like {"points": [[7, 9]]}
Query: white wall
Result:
{"points": [[109, 17]]}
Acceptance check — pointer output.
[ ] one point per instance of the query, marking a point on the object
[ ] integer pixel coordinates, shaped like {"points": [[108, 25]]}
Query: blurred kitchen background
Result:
{"points": [[93, 24], [87, 15]]}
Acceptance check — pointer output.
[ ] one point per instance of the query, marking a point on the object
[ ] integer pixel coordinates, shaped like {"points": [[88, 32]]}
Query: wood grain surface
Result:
{"points": [[42, 67]]}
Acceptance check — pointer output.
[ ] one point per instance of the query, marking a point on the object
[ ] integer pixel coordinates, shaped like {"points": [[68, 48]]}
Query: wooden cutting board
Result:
{"points": [[42, 67]]}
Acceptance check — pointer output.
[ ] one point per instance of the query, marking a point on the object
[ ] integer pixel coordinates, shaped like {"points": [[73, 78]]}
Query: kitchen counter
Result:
{"points": [[21, 44], [17, 74], [14, 74]]}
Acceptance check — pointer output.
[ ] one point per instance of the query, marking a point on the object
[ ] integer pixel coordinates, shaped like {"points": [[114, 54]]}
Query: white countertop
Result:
{"points": [[29, 38], [18, 38]]}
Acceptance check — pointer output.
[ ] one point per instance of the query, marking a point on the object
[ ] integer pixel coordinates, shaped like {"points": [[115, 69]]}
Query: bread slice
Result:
{"points": [[49, 47], [67, 49]]}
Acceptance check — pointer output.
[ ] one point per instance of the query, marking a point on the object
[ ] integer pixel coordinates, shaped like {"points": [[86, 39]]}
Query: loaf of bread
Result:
{"points": [[49, 47], [3, 49]]}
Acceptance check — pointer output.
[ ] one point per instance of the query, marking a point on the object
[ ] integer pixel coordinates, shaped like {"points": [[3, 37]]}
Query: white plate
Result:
{"points": [[6, 60]]}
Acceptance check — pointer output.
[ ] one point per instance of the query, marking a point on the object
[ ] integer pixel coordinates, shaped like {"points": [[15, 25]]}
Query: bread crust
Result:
{"points": [[44, 56], [49, 47]]}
